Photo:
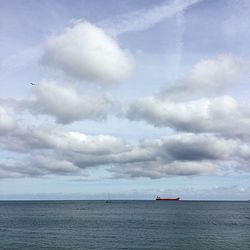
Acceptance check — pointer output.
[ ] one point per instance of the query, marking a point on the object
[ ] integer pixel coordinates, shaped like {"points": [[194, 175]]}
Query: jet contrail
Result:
{"points": [[145, 18], [180, 25]]}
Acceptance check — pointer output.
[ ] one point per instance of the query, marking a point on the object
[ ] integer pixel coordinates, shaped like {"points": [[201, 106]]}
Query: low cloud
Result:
{"points": [[195, 104], [37, 166], [25, 140], [209, 76], [157, 170], [7, 123], [223, 115], [66, 104], [87, 53], [212, 133], [58, 152], [192, 147], [179, 154]]}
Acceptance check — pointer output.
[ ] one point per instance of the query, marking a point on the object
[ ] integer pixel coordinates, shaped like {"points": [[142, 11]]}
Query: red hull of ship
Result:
{"points": [[168, 199]]}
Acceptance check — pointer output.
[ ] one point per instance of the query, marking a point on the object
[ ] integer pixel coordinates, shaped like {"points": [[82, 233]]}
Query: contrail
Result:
{"points": [[180, 24], [145, 18]]}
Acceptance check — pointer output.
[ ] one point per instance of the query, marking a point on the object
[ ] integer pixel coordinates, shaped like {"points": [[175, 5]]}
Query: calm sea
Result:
{"points": [[124, 225]]}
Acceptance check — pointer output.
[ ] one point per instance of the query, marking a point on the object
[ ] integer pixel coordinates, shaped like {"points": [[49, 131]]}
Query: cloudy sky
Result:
{"points": [[131, 98]]}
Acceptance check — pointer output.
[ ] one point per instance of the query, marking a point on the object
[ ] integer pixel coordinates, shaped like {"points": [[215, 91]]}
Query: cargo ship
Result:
{"points": [[167, 199]]}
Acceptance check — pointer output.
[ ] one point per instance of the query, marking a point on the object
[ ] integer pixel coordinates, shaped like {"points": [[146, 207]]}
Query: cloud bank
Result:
{"points": [[210, 134], [56, 152], [210, 129]]}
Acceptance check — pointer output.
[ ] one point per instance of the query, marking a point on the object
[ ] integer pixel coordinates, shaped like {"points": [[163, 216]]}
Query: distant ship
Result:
{"points": [[167, 199]]}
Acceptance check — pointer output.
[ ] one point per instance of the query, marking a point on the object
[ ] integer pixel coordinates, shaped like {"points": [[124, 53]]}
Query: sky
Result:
{"points": [[130, 98]]}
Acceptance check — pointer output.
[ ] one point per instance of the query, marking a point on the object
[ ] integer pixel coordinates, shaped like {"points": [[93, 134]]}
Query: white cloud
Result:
{"points": [[209, 76], [50, 165], [54, 151], [25, 140], [187, 105], [7, 123], [35, 166], [219, 115], [66, 104], [86, 52]]}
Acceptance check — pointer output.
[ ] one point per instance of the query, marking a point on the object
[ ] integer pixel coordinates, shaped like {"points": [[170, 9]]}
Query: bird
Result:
{"points": [[32, 83]]}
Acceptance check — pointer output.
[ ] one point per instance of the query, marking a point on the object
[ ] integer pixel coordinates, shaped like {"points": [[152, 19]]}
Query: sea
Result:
{"points": [[124, 225]]}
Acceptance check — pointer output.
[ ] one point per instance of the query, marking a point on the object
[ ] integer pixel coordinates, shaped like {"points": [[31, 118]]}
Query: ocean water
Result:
{"points": [[124, 225]]}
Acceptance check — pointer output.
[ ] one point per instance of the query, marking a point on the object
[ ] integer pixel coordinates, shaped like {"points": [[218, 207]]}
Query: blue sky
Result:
{"points": [[132, 98]]}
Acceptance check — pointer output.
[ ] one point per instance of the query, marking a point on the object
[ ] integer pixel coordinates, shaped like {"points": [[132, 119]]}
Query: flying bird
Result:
{"points": [[32, 83]]}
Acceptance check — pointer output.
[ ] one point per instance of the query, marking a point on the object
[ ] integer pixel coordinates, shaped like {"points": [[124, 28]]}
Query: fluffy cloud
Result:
{"points": [[188, 106], [209, 76], [7, 123], [54, 151], [219, 115], [49, 165], [25, 140], [86, 52], [66, 104]]}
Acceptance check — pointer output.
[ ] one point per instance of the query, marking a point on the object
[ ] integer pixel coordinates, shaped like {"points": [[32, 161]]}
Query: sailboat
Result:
{"points": [[108, 200]]}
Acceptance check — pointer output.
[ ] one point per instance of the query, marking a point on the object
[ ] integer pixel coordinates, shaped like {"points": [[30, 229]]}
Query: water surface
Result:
{"points": [[124, 225]]}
